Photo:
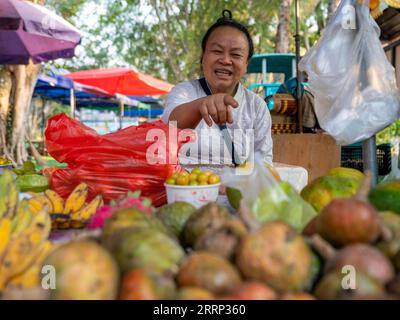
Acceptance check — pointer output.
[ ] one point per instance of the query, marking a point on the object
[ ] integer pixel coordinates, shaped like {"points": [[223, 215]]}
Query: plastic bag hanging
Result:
{"points": [[353, 83]]}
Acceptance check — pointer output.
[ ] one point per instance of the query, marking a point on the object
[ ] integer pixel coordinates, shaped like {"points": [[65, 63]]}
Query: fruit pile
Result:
{"points": [[350, 250], [196, 177], [24, 240], [75, 212], [180, 252]]}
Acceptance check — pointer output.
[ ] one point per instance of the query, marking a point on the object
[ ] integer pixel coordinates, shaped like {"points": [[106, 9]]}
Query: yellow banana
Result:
{"points": [[22, 219], [37, 203], [76, 199], [9, 195], [89, 210], [5, 235], [56, 201], [31, 277], [23, 251]]}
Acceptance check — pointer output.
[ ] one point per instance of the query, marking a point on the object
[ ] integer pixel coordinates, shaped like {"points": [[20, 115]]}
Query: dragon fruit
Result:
{"points": [[132, 200]]}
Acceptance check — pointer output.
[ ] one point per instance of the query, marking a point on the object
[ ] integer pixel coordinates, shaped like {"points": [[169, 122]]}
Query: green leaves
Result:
{"points": [[163, 37]]}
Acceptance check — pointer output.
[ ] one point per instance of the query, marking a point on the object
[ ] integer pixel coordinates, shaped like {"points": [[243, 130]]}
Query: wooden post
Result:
{"points": [[121, 115], [298, 96]]}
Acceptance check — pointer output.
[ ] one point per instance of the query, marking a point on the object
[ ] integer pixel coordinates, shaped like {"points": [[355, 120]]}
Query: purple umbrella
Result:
{"points": [[30, 31]]}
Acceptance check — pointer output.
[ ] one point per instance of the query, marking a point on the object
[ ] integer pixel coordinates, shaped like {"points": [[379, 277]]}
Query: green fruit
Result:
{"points": [[29, 167], [146, 248], [83, 271], [170, 181], [196, 171], [128, 218], [234, 197], [324, 189], [385, 197], [346, 172], [32, 182], [175, 215]]}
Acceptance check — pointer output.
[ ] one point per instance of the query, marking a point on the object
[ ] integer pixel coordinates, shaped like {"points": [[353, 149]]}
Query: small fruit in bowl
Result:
{"points": [[195, 178]]}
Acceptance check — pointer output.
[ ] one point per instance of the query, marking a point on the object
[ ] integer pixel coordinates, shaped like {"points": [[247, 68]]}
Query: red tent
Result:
{"points": [[124, 81]]}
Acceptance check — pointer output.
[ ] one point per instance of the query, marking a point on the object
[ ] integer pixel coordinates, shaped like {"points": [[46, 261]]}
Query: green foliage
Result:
{"points": [[163, 37], [65, 8], [389, 134]]}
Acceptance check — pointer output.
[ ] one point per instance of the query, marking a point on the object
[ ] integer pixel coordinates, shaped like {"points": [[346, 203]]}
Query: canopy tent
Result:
{"points": [[66, 91], [58, 88], [124, 81], [130, 111]]}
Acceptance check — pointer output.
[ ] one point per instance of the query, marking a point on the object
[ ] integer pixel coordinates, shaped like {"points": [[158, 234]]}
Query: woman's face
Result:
{"points": [[225, 59]]}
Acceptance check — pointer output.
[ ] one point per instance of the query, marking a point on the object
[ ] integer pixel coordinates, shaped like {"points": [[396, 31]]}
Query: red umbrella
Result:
{"points": [[124, 81]]}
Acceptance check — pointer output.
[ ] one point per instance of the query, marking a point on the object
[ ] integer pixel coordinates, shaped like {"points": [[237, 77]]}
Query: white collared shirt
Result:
{"points": [[251, 125]]}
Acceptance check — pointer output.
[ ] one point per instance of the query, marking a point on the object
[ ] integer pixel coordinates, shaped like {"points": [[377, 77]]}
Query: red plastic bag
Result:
{"points": [[135, 158]]}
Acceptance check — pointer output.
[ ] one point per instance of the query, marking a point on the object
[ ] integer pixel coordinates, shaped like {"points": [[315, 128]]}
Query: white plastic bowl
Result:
{"points": [[198, 196]]}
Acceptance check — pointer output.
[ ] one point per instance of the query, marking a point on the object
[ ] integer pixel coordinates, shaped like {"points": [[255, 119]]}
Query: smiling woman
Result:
{"points": [[219, 100]]}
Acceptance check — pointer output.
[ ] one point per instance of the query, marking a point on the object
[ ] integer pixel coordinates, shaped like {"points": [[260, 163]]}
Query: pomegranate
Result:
{"points": [[350, 220], [364, 258], [297, 296], [194, 293], [140, 284], [222, 240], [330, 287], [311, 227], [276, 255], [252, 290], [208, 271]]}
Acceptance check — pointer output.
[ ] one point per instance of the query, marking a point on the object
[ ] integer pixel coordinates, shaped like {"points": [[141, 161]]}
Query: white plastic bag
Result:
{"points": [[353, 83], [268, 199]]}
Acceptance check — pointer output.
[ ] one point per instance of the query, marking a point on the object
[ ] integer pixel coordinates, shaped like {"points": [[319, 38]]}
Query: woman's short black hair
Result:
{"points": [[227, 21]]}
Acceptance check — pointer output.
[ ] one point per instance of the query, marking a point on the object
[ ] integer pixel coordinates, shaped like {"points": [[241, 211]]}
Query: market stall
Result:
{"points": [[124, 220]]}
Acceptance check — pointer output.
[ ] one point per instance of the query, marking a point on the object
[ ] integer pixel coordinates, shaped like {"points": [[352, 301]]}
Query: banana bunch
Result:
{"points": [[73, 213], [23, 236]]}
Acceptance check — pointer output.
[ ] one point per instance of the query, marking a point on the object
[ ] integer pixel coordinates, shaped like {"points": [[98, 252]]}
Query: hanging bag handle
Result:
{"points": [[224, 130]]}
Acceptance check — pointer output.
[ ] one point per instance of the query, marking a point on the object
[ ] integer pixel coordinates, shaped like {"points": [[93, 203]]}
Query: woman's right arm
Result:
{"points": [[187, 115], [216, 107]]}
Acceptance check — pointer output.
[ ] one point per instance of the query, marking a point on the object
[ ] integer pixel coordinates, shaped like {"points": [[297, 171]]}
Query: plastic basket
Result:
{"points": [[352, 158]]}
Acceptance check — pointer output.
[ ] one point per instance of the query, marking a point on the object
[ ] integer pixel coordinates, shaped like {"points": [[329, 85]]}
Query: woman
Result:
{"points": [[226, 50]]}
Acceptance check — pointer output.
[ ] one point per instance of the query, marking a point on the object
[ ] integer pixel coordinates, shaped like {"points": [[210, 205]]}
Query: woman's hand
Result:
{"points": [[217, 108]]}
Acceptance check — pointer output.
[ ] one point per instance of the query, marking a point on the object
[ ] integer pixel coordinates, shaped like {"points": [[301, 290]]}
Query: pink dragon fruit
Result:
{"points": [[130, 201]]}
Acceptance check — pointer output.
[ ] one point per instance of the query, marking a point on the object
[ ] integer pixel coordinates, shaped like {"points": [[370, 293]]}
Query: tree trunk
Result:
{"points": [[17, 83], [282, 41]]}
